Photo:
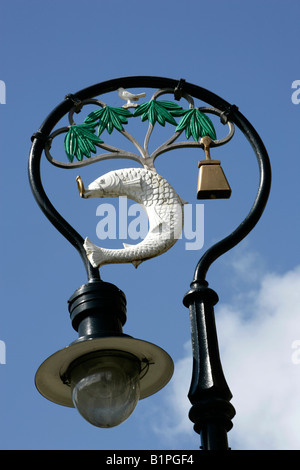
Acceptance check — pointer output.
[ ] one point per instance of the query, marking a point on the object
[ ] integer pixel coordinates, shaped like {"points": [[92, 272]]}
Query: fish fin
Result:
{"points": [[127, 245], [154, 219], [137, 263], [183, 202], [134, 182], [94, 253]]}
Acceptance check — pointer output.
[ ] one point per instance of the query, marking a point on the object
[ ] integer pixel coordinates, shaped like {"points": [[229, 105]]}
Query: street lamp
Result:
{"points": [[105, 372]]}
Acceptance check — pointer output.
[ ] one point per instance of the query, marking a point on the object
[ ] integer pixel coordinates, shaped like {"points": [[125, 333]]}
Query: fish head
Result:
{"points": [[105, 186]]}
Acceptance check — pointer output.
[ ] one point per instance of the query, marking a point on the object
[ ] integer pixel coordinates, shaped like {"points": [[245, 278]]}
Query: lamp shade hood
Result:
{"points": [[156, 366]]}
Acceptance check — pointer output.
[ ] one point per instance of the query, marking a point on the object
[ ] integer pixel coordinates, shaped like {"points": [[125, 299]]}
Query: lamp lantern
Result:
{"points": [[104, 373]]}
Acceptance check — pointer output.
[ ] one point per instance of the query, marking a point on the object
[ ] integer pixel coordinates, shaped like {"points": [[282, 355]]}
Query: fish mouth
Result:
{"points": [[86, 193]]}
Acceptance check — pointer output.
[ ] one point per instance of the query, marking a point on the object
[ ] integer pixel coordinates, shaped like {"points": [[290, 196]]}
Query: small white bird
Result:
{"points": [[127, 96]]}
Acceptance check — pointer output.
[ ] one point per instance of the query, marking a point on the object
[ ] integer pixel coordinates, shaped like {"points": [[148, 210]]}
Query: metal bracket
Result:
{"points": [[76, 101], [178, 92], [225, 115], [41, 136]]}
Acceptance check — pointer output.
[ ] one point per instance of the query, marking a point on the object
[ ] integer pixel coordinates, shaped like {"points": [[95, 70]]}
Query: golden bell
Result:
{"points": [[212, 182]]}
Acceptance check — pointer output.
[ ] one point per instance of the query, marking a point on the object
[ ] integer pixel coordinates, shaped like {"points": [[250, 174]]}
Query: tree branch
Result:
{"points": [[170, 145]]}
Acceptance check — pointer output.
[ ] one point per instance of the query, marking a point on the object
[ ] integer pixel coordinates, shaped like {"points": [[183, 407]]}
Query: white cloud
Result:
{"points": [[258, 334]]}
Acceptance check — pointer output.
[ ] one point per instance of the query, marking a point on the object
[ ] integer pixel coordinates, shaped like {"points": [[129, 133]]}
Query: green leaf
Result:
{"points": [[152, 114], [167, 116], [170, 105], [116, 121], [94, 115], [158, 111], [195, 128], [121, 111], [207, 125], [80, 141], [185, 120], [197, 124], [188, 132], [109, 118], [141, 109]]}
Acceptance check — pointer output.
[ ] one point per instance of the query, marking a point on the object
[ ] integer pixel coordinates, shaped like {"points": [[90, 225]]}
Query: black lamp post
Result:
{"points": [[98, 309], [209, 394]]}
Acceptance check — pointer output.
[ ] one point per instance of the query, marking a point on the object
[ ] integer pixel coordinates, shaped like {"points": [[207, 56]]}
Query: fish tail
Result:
{"points": [[94, 253]]}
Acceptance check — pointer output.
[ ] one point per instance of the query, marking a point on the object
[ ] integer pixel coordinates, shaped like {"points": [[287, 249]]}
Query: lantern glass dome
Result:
{"points": [[105, 387]]}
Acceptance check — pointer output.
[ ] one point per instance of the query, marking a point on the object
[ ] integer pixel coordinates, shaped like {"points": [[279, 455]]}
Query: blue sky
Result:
{"points": [[245, 52]]}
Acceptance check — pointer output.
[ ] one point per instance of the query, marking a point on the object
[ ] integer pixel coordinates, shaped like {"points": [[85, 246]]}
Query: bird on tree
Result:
{"points": [[129, 97]]}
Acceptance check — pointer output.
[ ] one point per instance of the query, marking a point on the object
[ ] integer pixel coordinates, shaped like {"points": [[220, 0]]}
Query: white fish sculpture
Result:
{"points": [[162, 204]]}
